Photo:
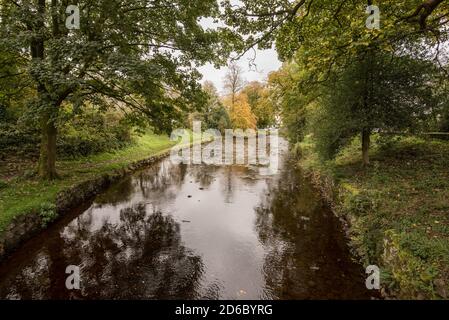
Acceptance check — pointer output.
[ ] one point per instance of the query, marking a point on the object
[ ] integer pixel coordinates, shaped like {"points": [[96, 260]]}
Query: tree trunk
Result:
{"points": [[47, 159], [365, 146]]}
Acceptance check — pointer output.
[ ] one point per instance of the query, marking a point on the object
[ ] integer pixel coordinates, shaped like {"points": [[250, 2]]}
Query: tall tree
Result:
{"points": [[334, 31], [378, 92], [261, 102], [265, 21], [241, 115], [233, 81], [324, 37], [215, 115], [139, 54]]}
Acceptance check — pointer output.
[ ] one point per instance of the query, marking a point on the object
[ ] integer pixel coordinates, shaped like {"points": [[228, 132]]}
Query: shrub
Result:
{"points": [[3, 184], [18, 140], [80, 135], [47, 213], [93, 132]]}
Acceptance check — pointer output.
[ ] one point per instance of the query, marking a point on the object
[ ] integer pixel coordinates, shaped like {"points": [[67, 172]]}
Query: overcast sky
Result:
{"points": [[266, 61]]}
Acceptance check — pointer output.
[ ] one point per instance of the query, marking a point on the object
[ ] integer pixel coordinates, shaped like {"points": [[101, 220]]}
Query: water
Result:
{"points": [[193, 232]]}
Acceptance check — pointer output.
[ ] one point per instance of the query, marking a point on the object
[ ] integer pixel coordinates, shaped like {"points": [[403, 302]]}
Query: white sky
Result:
{"points": [[265, 62]]}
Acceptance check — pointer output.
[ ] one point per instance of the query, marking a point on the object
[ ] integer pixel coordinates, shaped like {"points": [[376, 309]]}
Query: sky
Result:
{"points": [[265, 62]]}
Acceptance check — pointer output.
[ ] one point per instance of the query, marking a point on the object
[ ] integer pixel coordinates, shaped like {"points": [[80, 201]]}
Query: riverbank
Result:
{"points": [[28, 204], [396, 210]]}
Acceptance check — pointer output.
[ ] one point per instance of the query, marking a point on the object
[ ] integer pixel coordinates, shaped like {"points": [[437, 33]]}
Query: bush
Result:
{"points": [[83, 143], [17, 140], [47, 213], [3, 185], [93, 132], [80, 135]]}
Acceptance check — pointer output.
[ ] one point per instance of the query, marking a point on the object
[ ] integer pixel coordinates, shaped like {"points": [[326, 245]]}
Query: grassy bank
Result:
{"points": [[24, 193], [397, 209]]}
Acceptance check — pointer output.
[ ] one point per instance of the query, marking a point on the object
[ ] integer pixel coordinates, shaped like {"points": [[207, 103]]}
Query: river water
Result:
{"points": [[175, 231]]}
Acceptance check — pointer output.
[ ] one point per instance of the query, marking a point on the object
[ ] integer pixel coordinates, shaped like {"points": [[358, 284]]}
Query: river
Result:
{"points": [[176, 231]]}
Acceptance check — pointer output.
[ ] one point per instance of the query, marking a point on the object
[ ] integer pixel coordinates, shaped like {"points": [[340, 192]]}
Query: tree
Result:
{"points": [[332, 32], [377, 92], [241, 114], [219, 119], [329, 39], [292, 23], [215, 115], [121, 54], [442, 113], [213, 99], [254, 91], [261, 103], [233, 81], [13, 77], [291, 96]]}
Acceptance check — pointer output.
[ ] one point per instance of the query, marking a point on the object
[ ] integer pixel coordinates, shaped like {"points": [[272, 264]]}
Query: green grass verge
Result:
{"points": [[23, 195], [398, 209]]}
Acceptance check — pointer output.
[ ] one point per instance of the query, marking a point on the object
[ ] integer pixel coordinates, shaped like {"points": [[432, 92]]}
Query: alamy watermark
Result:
{"points": [[236, 146], [373, 20], [72, 282], [73, 20], [372, 282]]}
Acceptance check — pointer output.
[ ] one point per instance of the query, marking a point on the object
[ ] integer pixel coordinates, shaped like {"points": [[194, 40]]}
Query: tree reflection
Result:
{"points": [[117, 193], [159, 179], [204, 175], [141, 257], [307, 254], [158, 183]]}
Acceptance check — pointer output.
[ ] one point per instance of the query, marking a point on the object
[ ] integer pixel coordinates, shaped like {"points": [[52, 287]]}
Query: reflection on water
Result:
{"points": [[192, 232]]}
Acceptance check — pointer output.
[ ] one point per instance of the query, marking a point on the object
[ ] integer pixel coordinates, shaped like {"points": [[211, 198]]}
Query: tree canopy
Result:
{"points": [[139, 55]]}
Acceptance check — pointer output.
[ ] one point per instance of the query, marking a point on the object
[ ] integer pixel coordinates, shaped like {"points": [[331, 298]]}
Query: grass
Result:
{"points": [[398, 209], [23, 194]]}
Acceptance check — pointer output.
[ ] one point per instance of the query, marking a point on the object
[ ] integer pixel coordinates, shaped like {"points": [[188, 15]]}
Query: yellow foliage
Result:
{"points": [[241, 115]]}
